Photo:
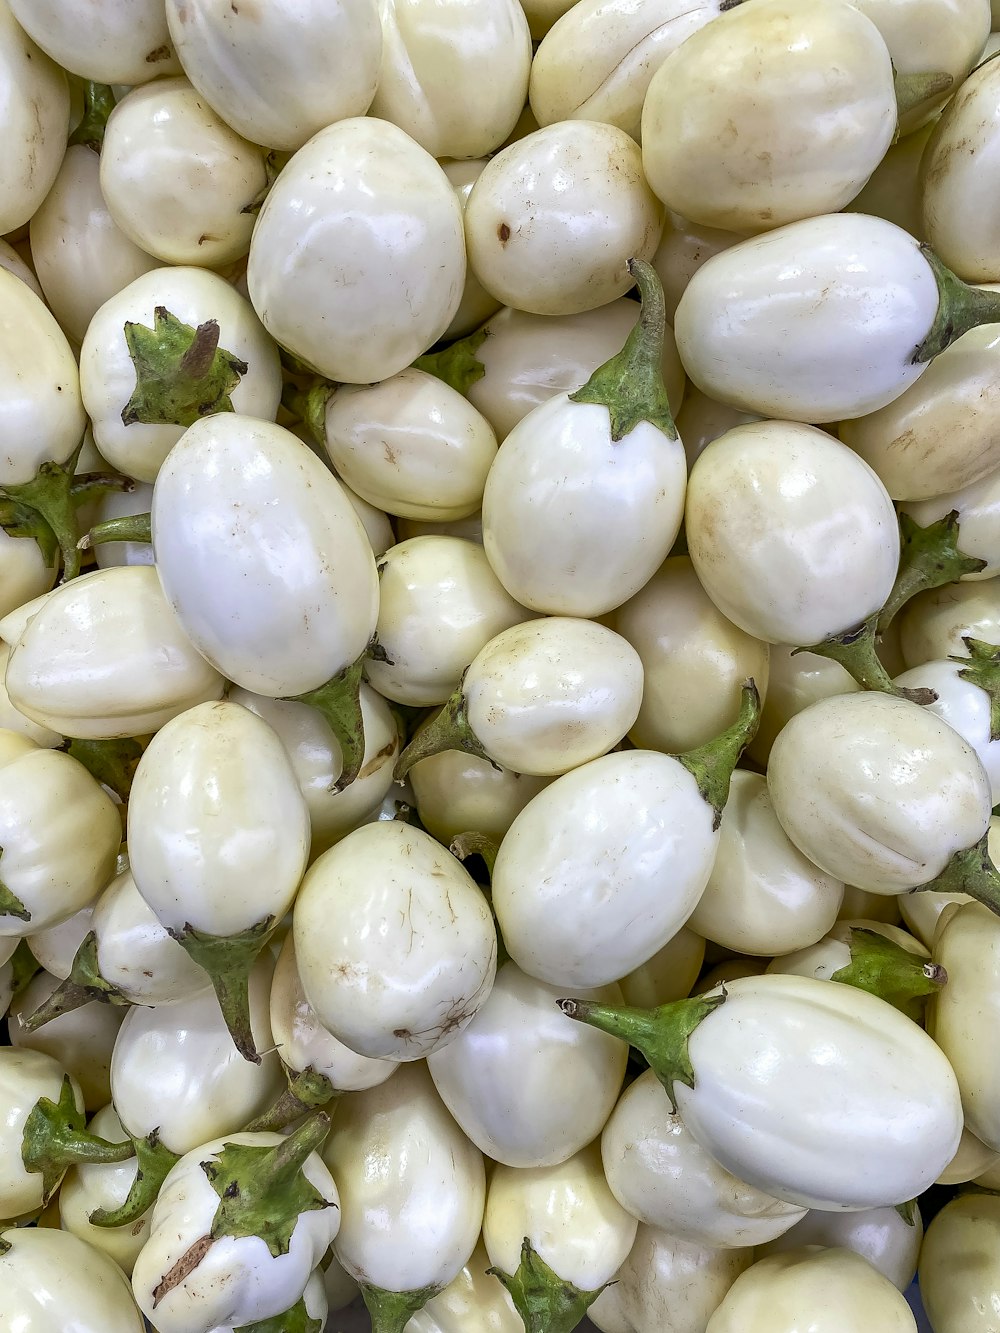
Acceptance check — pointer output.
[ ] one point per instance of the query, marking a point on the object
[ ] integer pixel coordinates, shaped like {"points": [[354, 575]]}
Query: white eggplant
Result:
{"points": [[50, 1280], [36, 108], [889, 1242], [109, 42], [959, 1272]]}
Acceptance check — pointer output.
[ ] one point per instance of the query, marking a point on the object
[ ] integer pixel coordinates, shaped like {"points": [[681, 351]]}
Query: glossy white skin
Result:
{"points": [[56, 947], [505, 1078], [59, 831], [82, 258], [763, 896], [106, 657], [668, 975], [107, 373], [363, 191], [314, 1298], [13, 263], [112, 41], [317, 760], [968, 948], [893, 189], [238, 1280], [567, 1212], [52, 1280], [667, 1283], [82, 1040], [684, 247], [262, 556], [178, 180], [805, 95], [303, 1043], [959, 1271], [978, 507], [964, 706], [694, 660], [859, 905], [530, 251], [835, 1290], [921, 912], [795, 680], [933, 625], [877, 791], [958, 171], [574, 522], [660, 1174], [459, 793], [793, 537], [175, 1068], [477, 304], [411, 1184], [280, 72], [24, 574], [13, 720], [879, 1235], [411, 446], [454, 73], [116, 504], [936, 437], [603, 867], [339, 1286], [218, 829], [820, 1094], [702, 420], [440, 604], [527, 359], [135, 952], [596, 62], [35, 109], [39, 386], [24, 1077], [103, 1185], [473, 1299], [395, 943], [855, 298], [972, 1159]]}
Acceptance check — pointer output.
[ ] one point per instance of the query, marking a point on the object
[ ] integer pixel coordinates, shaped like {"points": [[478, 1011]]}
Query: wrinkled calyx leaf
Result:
{"points": [[83, 985], [960, 308], [154, 1160], [544, 1300], [181, 372], [98, 104], [54, 1139], [928, 558], [884, 968], [296, 1320], [970, 871], [339, 700], [982, 668], [391, 1311], [711, 765], [112, 762], [458, 366], [306, 1090], [449, 729], [855, 651], [228, 960], [630, 385], [661, 1035]]}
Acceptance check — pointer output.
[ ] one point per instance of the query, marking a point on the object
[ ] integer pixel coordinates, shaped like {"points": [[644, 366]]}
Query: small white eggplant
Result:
{"points": [[49, 1278], [889, 1241], [959, 1270], [111, 42], [36, 117]]}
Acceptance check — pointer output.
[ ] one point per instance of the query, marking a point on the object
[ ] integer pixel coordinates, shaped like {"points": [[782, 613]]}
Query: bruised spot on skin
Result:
{"points": [[503, 232], [161, 52]]}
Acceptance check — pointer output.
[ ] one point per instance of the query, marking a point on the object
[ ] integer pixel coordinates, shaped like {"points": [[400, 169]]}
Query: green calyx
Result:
{"points": [[181, 372], [307, 1089], [339, 700], [960, 308], [228, 960], [448, 729], [661, 1035], [457, 366], [391, 1311], [982, 668], [928, 558], [912, 90], [154, 1160], [308, 403], [262, 1192], [711, 765], [112, 762], [884, 968], [855, 651], [630, 385], [24, 965], [54, 1139], [126, 528], [969, 871], [296, 1320], [10, 903], [83, 985], [544, 1300], [98, 104]]}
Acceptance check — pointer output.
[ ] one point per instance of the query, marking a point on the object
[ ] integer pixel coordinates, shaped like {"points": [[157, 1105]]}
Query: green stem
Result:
{"points": [[969, 871], [308, 403], [458, 365], [54, 1139], [306, 1090], [661, 1034], [127, 528], [154, 1160], [391, 1311], [916, 88], [545, 1301], [884, 968], [83, 985], [982, 668], [711, 765], [928, 558], [228, 960], [181, 372], [960, 308], [449, 729], [630, 385], [98, 104], [339, 700], [855, 651], [112, 762]]}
